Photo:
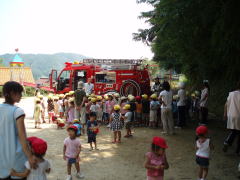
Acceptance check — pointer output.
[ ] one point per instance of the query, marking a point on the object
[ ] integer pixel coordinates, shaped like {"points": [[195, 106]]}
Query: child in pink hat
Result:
{"points": [[39, 148], [156, 160]]}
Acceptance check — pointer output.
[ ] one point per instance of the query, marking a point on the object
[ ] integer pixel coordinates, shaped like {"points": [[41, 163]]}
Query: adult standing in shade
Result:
{"points": [[89, 87], [232, 115], [181, 105], [204, 102], [165, 99]]}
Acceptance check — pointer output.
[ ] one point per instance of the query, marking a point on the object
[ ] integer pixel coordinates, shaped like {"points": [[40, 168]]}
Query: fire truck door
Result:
{"points": [[53, 79], [64, 81]]}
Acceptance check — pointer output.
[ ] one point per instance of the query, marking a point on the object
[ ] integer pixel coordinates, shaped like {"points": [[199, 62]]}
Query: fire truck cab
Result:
{"points": [[125, 76]]}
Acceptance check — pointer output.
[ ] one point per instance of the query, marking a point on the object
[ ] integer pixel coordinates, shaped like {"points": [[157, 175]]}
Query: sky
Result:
{"points": [[94, 28]]}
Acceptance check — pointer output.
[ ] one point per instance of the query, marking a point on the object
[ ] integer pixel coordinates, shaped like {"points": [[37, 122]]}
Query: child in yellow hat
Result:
{"points": [[60, 105], [116, 124], [37, 113], [104, 110], [71, 111], [123, 102], [66, 105], [56, 105], [128, 120], [145, 109], [109, 107], [154, 106], [117, 98], [94, 107], [88, 104], [60, 123], [100, 109], [43, 108], [50, 107], [71, 93]]}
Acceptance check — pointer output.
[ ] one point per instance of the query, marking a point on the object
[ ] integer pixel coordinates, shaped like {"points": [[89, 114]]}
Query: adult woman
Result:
{"points": [[165, 98], [232, 114], [204, 102], [14, 150]]}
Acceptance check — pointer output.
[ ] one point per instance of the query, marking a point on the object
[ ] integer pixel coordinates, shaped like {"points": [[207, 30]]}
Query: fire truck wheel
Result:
{"points": [[130, 87]]}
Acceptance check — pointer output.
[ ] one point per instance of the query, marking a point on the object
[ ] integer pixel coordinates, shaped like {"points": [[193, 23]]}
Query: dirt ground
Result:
{"points": [[125, 161]]}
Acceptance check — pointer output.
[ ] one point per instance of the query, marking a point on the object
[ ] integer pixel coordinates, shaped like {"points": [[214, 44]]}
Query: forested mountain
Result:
{"points": [[42, 64]]}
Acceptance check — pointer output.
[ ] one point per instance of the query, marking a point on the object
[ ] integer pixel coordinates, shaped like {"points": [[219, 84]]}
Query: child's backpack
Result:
{"points": [[79, 127]]}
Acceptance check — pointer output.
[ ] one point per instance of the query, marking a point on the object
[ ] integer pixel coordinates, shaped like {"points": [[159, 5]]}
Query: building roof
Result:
{"points": [[17, 59], [5, 74]]}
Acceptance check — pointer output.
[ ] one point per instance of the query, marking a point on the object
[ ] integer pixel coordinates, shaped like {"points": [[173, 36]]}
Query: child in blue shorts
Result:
{"points": [[92, 130], [203, 146]]}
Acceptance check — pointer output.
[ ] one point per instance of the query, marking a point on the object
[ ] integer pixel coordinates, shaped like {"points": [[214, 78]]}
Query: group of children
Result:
{"points": [[119, 114], [112, 110], [155, 161], [116, 112], [129, 110]]}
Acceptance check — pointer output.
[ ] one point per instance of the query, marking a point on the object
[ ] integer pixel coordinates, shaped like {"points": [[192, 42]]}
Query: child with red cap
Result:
{"points": [[39, 148], [71, 151], [156, 160], [203, 146]]}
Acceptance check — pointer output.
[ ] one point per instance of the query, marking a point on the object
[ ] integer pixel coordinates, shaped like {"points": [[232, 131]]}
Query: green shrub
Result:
{"points": [[29, 91]]}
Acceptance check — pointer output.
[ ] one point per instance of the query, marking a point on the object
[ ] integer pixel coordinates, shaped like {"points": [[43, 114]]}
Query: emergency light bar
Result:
{"points": [[113, 61]]}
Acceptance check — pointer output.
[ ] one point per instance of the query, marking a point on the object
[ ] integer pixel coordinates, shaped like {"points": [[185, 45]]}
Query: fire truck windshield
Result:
{"points": [[64, 80]]}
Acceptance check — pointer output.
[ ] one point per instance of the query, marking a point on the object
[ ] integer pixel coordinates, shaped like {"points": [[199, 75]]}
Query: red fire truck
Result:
{"points": [[125, 76]]}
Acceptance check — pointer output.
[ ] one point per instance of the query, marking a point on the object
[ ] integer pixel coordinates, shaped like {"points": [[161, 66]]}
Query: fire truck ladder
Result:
{"points": [[113, 61], [119, 64]]}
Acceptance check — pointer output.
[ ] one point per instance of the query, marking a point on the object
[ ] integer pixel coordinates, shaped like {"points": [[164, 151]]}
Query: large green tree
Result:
{"points": [[199, 38]]}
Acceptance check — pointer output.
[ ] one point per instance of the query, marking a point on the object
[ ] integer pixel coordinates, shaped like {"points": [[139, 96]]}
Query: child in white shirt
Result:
{"points": [[203, 146], [94, 107], [39, 148]]}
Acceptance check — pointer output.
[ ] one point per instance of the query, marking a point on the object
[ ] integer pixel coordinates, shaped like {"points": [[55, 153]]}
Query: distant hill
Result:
{"points": [[42, 64]]}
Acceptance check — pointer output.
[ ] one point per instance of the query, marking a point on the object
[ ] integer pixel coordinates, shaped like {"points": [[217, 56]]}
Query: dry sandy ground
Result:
{"points": [[125, 161]]}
